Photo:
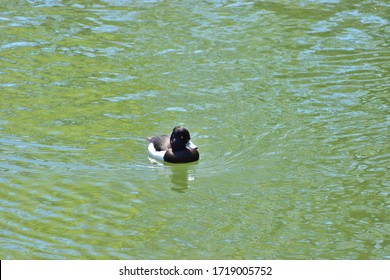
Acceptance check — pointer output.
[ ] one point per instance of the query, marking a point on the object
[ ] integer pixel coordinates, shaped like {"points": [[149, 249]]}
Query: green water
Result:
{"points": [[288, 102]]}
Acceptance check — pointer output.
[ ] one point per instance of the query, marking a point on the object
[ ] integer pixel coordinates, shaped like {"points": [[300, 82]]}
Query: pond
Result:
{"points": [[288, 102]]}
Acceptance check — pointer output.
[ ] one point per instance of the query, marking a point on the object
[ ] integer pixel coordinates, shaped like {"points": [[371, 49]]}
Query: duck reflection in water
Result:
{"points": [[181, 176]]}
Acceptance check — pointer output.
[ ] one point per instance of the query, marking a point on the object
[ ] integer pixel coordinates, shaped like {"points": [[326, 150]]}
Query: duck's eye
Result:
{"points": [[181, 137]]}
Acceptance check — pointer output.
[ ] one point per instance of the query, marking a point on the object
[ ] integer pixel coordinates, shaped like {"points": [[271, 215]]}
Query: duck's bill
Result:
{"points": [[191, 145]]}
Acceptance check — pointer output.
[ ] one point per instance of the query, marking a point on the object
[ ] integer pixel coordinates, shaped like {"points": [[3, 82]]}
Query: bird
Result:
{"points": [[177, 148]]}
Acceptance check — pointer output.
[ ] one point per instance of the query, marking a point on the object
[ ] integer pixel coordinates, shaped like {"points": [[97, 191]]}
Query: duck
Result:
{"points": [[177, 148]]}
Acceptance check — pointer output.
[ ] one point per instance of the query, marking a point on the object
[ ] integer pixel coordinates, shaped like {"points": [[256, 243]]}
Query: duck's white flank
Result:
{"points": [[158, 155]]}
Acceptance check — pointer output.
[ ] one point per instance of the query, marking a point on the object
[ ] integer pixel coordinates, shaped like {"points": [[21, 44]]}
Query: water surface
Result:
{"points": [[288, 102]]}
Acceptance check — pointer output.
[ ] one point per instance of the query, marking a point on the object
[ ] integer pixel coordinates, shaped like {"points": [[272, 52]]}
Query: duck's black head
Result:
{"points": [[181, 139]]}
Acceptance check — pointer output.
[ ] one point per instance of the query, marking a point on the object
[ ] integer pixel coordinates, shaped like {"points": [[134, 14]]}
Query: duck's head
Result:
{"points": [[181, 139]]}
